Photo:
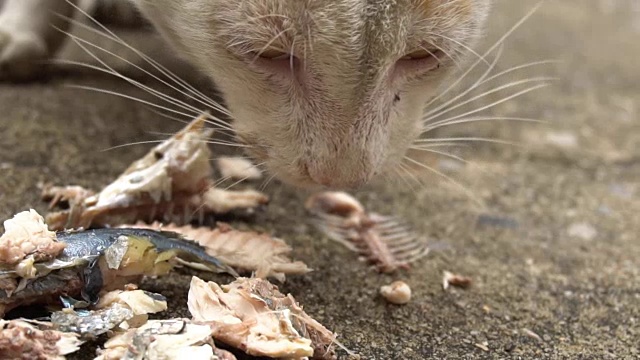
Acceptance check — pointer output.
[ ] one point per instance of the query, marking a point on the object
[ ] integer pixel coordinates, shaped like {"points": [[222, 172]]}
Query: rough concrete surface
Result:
{"points": [[550, 235]]}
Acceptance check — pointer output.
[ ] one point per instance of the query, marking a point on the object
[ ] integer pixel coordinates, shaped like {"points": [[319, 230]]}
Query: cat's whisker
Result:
{"points": [[484, 79], [449, 179], [146, 142], [519, 67], [443, 144], [291, 58], [497, 44], [237, 182], [215, 185], [222, 143], [109, 70], [222, 180], [129, 97], [268, 45], [110, 35], [470, 88], [496, 103], [405, 175], [209, 103], [455, 121], [542, 79], [464, 46], [228, 143], [465, 139], [167, 116], [447, 54], [446, 154]]}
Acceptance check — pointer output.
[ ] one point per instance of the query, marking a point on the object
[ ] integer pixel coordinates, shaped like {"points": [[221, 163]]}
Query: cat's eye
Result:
{"points": [[273, 54], [420, 61], [422, 54]]}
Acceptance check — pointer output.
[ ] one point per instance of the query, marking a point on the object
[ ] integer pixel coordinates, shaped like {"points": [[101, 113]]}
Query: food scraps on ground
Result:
{"points": [[531, 334], [38, 266], [456, 280], [116, 309], [28, 340], [173, 339], [172, 183], [27, 239], [384, 241], [253, 316], [398, 292], [243, 250], [237, 168]]}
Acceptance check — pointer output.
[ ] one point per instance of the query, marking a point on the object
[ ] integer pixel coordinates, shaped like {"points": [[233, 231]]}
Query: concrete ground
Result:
{"points": [[551, 240]]}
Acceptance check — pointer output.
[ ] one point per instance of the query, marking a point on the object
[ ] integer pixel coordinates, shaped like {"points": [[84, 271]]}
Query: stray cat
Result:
{"points": [[324, 92]]}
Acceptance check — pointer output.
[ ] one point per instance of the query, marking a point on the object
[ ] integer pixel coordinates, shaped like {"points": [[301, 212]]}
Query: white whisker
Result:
{"points": [[228, 143], [447, 178], [462, 94], [446, 154], [489, 92], [146, 142], [129, 97], [483, 79], [108, 34], [455, 121], [266, 183], [466, 47], [408, 173], [109, 70], [498, 102], [167, 116], [498, 43], [463, 139]]}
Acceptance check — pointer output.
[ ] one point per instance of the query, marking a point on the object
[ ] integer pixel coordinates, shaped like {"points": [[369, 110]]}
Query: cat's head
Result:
{"points": [[324, 92]]}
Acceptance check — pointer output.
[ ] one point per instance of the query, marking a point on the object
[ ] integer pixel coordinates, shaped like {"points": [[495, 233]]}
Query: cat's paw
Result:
{"points": [[22, 55]]}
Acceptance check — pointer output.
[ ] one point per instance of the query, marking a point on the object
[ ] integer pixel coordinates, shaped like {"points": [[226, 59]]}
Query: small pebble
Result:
{"points": [[452, 279], [398, 292], [562, 139], [583, 231], [531, 334]]}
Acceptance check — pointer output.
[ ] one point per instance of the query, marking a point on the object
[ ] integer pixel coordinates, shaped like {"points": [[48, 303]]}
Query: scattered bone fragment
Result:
{"points": [[451, 279], [27, 236], [74, 195], [531, 334], [384, 241], [244, 250], [28, 340], [26, 243], [398, 292], [253, 316], [238, 168], [172, 339], [116, 309], [172, 183], [221, 201], [89, 262]]}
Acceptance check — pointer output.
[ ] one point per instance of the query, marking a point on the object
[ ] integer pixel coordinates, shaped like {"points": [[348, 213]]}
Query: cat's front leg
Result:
{"points": [[28, 36]]}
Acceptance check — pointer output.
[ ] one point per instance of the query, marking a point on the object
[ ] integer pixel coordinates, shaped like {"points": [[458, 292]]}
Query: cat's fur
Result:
{"points": [[346, 107]]}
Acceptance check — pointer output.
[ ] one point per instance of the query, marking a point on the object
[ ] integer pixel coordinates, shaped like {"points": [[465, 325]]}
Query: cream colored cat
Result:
{"points": [[325, 92]]}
